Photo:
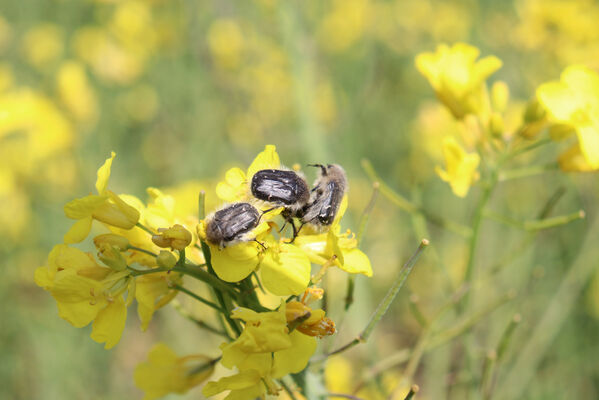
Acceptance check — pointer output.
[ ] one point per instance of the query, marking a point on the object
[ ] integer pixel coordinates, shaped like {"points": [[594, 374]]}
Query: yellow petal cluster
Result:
{"points": [[573, 102], [264, 351], [105, 207], [457, 77], [175, 237], [86, 291], [165, 372], [461, 167]]}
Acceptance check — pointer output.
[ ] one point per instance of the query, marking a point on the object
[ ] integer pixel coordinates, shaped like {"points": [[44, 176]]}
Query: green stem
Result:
{"points": [[525, 149], [412, 208], [139, 225], [137, 272], [367, 211], [195, 296], [468, 322], [142, 250], [526, 172], [203, 325], [549, 325], [473, 245], [413, 390], [387, 300], [205, 277]]}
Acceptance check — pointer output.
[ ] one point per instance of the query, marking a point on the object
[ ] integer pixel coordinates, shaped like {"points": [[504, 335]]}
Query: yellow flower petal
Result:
{"points": [[572, 160], [117, 213], [462, 167], [243, 380], [285, 272], [234, 263], [149, 290], [267, 159], [356, 262], [165, 372], [588, 139], [295, 358], [110, 323], [83, 207], [558, 100], [234, 188], [104, 174]]}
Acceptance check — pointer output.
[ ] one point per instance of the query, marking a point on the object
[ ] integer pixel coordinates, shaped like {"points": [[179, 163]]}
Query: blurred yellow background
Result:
{"points": [[181, 90]]}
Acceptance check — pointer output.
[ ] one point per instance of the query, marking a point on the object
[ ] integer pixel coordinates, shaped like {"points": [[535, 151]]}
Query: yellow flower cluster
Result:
{"points": [[131, 264], [567, 107]]}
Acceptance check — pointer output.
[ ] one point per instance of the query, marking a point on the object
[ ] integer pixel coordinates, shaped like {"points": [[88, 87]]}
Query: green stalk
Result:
{"points": [[387, 300], [546, 329], [195, 296], [411, 208], [473, 245], [201, 324]]}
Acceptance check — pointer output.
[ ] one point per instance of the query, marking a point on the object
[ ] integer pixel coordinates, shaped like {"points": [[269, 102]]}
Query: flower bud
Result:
{"points": [[500, 95], [307, 321], [175, 237], [166, 259], [496, 126], [112, 257], [116, 213], [118, 241]]}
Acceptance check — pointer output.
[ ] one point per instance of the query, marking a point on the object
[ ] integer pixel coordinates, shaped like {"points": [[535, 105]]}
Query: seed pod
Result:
{"points": [[232, 224], [283, 188], [329, 189]]}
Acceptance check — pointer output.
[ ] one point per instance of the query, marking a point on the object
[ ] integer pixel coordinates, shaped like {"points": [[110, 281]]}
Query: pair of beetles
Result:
{"points": [[281, 188]]}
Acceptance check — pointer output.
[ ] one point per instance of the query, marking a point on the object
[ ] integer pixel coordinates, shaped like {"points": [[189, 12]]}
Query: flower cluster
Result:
{"points": [[133, 262], [561, 109]]}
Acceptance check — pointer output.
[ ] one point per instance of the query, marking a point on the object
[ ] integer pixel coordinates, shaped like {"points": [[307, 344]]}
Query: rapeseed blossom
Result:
{"points": [[165, 372], [461, 167], [573, 103], [457, 77]]}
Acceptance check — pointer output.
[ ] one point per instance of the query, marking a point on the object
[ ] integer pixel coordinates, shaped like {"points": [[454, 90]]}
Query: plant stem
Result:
{"points": [[556, 313], [195, 296], [473, 245], [139, 225], [142, 250], [187, 315], [387, 300], [137, 272], [412, 208], [205, 277], [413, 390]]}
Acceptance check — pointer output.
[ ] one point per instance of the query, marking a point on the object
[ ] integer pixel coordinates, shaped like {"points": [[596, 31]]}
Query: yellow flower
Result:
{"points": [[236, 184], [284, 269], [105, 207], [461, 167], [120, 242], [85, 291], [308, 321], [574, 102], [457, 77], [154, 291], [76, 92], [264, 351], [175, 237], [165, 372], [335, 248]]}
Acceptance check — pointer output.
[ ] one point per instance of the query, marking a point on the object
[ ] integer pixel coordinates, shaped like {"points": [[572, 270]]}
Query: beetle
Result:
{"points": [[232, 224]]}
